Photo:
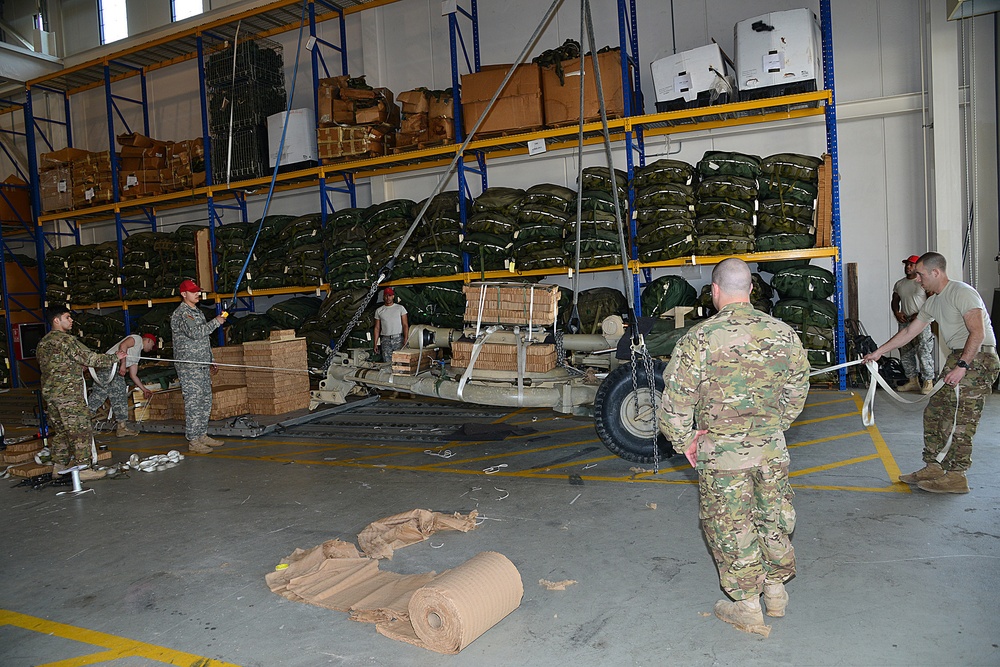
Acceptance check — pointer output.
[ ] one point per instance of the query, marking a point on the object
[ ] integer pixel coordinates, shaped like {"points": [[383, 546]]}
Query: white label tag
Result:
{"points": [[89, 194], [130, 181], [682, 83], [61, 186], [310, 43], [773, 62], [536, 147], [149, 303], [448, 7]]}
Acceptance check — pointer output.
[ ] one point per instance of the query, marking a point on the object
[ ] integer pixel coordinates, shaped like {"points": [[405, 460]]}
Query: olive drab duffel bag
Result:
{"points": [[664, 293], [806, 282]]}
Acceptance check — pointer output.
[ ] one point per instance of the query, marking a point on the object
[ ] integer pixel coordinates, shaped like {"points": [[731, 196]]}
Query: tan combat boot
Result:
{"points": [[212, 442], [913, 384], [953, 481], [199, 446], [746, 615], [123, 430], [90, 474], [926, 387], [775, 599], [932, 470]]}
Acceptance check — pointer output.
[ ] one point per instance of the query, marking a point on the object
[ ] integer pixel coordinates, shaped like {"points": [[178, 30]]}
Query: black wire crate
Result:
{"points": [[259, 60], [248, 159], [243, 104]]}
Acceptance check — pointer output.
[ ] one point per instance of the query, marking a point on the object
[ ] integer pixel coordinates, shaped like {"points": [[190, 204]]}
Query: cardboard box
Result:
{"points": [[562, 98], [540, 357], [414, 101], [63, 156], [414, 123], [15, 204], [442, 105], [519, 107], [352, 141], [29, 470], [56, 188]]}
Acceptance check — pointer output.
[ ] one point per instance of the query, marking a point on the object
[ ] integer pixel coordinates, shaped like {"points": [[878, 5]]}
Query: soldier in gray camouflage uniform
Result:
{"points": [[734, 384], [191, 331], [971, 369], [62, 358]]}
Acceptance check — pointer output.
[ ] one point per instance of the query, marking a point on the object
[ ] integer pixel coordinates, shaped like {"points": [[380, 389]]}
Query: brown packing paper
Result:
{"points": [[380, 538], [457, 607]]}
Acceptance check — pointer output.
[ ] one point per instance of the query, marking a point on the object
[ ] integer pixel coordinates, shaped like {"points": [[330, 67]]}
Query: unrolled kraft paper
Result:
{"points": [[456, 608], [443, 613]]}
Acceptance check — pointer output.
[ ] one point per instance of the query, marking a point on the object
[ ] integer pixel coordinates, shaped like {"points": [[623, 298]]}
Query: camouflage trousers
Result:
{"points": [[940, 413], [117, 391], [69, 426], [196, 387], [917, 356], [747, 516], [390, 344]]}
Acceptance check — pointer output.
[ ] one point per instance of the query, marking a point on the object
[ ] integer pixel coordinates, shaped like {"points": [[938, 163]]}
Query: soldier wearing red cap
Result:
{"points": [[133, 346], [191, 344], [917, 356], [391, 325]]}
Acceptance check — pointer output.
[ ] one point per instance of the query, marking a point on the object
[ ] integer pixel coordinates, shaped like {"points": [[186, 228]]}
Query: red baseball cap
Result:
{"points": [[188, 286], [389, 291], [151, 337], [912, 259]]}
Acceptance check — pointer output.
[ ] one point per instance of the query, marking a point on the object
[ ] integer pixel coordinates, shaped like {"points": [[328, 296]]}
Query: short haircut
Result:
{"points": [[934, 260], [57, 311], [732, 276]]}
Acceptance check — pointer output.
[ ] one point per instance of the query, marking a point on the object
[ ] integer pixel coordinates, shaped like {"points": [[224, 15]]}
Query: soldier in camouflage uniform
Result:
{"points": [[62, 358], [734, 384], [917, 356], [191, 344], [971, 369]]}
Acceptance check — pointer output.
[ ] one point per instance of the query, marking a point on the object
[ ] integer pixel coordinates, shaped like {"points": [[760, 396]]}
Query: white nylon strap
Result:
{"points": [[103, 383], [476, 349], [522, 358]]}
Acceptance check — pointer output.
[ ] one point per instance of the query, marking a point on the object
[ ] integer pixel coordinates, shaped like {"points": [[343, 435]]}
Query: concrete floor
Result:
{"points": [[168, 567]]}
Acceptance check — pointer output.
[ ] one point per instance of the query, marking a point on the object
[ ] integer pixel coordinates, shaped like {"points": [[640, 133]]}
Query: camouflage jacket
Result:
{"points": [[744, 377], [191, 331], [62, 358]]}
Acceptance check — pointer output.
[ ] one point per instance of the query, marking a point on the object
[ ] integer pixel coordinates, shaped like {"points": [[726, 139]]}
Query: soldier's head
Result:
{"points": [[190, 292], [60, 318], [388, 296], [730, 283], [148, 342], [932, 272]]}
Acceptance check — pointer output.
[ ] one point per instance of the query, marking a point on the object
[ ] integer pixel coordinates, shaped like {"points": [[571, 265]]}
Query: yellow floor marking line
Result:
{"points": [[578, 462], [803, 422], [510, 414], [895, 488], [891, 468], [829, 438], [115, 647], [839, 400], [490, 457], [833, 466]]}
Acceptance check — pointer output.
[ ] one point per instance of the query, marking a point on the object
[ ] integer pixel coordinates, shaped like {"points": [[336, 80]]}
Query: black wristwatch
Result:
{"points": [[961, 364]]}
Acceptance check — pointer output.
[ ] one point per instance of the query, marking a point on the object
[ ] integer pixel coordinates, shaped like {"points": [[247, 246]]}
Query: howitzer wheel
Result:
{"points": [[624, 429]]}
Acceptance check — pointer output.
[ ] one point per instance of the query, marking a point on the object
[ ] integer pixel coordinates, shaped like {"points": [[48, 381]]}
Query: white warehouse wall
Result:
{"points": [[880, 68]]}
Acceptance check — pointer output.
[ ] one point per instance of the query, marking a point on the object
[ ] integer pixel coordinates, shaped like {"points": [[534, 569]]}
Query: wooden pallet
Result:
{"points": [[404, 362]]}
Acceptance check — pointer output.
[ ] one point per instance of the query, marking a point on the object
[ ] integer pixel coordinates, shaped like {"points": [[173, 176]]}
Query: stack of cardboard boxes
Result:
{"points": [[428, 119], [279, 391], [55, 174], [185, 165], [142, 159], [355, 120], [92, 182]]}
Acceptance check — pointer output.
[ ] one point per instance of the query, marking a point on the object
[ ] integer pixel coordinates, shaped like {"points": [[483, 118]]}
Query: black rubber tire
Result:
{"points": [[617, 436]]}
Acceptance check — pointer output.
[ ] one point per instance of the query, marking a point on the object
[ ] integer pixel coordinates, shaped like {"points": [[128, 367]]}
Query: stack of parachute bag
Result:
{"points": [[439, 238], [804, 303], [599, 242], [543, 220], [5, 379], [659, 298], [491, 228], [664, 210], [302, 240], [232, 243], [725, 205], [761, 296], [80, 275], [99, 332]]}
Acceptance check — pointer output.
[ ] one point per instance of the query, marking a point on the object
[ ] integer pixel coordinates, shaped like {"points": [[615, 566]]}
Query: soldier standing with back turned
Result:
{"points": [[733, 386], [191, 344]]}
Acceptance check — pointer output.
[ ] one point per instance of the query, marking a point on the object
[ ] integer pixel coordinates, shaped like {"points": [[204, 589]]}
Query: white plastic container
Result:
{"points": [[686, 75], [779, 54], [300, 138]]}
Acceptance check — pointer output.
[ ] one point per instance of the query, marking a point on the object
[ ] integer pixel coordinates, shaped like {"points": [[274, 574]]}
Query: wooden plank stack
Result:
{"points": [[541, 357], [824, 205], [511, 303], [277, 392], [404, 362], [227, 401], [229, 354], [21, 452]]}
